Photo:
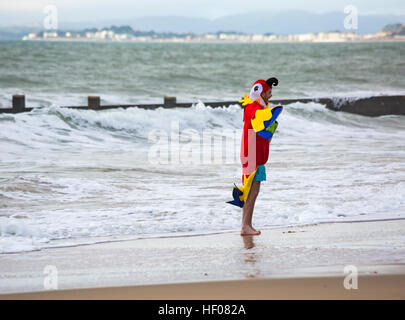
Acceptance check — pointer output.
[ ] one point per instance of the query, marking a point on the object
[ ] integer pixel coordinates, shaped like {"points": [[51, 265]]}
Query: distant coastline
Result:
{"points": [[127, 34], [396, 39]]}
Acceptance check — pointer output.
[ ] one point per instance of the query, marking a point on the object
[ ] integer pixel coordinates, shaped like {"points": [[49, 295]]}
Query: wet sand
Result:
{"points": [[323, 288], [303, 262]]}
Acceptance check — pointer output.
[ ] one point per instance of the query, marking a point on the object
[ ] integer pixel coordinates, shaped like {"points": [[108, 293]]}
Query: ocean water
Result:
{"points": [[70, 177]]}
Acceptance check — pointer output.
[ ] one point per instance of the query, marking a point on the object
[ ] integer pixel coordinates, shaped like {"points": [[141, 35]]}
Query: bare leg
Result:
{"points": [[256, 193], [247, 228]]}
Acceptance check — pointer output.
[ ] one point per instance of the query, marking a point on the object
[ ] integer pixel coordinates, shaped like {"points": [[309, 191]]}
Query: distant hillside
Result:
{"points": [[396, 29], [288, 22], [392, 27], [401, 30], [15, 33]]}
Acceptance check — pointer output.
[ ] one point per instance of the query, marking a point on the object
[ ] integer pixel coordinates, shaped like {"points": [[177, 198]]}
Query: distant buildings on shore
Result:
{"points": [[126, 33]]}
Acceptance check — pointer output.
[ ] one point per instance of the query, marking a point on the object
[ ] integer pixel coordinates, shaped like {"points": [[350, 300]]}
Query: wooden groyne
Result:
{"points": [[371, 106]]}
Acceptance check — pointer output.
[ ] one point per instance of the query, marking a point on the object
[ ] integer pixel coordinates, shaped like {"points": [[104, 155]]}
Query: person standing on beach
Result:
{"points": [[258, 129]]}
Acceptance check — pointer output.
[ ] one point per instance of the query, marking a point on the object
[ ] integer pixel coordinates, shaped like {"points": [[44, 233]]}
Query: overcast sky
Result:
{"points": [[81, 10]]}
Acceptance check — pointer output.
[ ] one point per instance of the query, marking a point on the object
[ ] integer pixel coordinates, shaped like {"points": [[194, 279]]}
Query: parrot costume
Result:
{"points": [[258, 130]]}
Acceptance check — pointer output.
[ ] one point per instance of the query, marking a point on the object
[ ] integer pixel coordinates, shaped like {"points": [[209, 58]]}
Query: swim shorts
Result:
{"points": [[260, 174]]}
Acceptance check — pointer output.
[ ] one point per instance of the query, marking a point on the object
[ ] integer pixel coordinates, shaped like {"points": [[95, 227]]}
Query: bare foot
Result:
{"points": [[249, 231]]}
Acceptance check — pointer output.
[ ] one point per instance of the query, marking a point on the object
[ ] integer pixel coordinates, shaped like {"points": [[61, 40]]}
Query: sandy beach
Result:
{"points": [[301, 262], [320, 288]]}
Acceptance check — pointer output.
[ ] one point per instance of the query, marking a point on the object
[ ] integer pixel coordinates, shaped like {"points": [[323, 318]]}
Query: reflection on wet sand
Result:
{"points": [[250, 258], [248, 241]]}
